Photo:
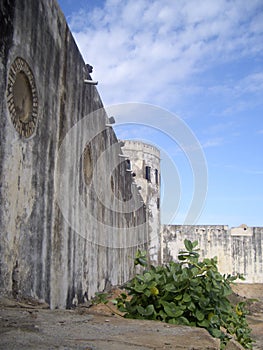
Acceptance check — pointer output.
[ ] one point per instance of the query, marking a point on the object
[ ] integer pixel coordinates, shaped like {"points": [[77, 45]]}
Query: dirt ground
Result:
{"points": [[30, 325], [253, 295]]}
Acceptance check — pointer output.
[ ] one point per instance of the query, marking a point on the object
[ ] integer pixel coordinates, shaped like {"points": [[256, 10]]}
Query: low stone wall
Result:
{"points": [[239, 250]]}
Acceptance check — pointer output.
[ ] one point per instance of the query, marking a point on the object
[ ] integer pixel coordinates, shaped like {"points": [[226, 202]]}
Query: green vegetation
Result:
{"points": [[189, 292]]}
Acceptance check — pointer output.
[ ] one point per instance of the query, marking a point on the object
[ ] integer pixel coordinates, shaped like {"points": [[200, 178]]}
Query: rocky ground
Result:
{"points": [[30, 325]]}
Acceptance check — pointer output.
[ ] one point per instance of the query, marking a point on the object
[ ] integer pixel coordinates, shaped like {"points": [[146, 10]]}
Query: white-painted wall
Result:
{"points": [[142, 155], [239, 249]]}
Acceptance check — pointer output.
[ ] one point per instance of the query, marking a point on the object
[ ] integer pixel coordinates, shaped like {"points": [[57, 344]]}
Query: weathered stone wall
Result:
{"points": [[45, 252], [239, 250], [142, 155]]}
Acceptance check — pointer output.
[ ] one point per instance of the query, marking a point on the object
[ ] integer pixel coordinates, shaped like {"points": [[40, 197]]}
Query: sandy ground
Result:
{"points": [[30, 325], [23, 329], [253, 294]]}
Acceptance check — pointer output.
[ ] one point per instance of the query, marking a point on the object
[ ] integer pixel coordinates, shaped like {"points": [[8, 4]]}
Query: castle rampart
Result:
{"points": [[45, 90], [239, 250]]}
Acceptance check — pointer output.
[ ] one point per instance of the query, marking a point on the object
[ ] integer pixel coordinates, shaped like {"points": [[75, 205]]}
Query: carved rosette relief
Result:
{"points": [[22, 100]]}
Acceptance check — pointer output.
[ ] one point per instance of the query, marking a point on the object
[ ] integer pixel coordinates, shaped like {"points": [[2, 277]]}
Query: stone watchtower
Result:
{"points": [[144, 162]]}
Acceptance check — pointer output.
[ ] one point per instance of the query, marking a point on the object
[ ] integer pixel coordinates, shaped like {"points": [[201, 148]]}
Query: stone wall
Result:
{"points": [[144, 160], [239, 250], [58, 238]]}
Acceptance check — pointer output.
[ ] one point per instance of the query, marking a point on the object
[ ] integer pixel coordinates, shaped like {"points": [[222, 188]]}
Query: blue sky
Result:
{"points": [[203, 62]]}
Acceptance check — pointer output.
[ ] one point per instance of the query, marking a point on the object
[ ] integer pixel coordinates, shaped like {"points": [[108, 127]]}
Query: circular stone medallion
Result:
{"points": [[22, 98]]}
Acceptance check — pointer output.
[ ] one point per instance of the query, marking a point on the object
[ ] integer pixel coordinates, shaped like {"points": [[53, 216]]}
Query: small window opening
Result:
{"points": [[128, 162], [156, 176], [148, 173]]}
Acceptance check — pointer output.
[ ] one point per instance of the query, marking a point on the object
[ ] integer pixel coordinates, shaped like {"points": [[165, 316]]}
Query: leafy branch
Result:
{"points": [[189, 292]]}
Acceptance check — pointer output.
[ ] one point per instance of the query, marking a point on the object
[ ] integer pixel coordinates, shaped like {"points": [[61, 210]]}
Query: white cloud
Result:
{"points": [[254, 172], [237, 95], [213, 142], [252, 83], [219, 128], [148, 51]]}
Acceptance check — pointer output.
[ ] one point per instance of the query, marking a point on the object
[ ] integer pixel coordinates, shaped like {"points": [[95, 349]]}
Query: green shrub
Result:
{"points": [[189, 292]]}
